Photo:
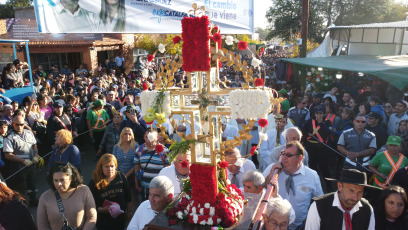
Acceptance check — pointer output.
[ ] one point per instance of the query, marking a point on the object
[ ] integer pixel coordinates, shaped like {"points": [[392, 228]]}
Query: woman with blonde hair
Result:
{"points": [[111, 192], [124, 151], [64, 150]]}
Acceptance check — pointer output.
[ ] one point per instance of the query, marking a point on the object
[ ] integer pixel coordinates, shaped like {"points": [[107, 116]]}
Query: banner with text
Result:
{"points": [[139, 16]]}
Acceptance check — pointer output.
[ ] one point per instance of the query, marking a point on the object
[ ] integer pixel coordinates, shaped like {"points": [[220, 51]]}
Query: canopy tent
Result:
{"points": [[392, 69]]}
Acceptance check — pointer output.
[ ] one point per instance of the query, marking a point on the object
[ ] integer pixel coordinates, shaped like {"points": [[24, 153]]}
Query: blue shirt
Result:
{"points": [[71, 155], [125, 161]]}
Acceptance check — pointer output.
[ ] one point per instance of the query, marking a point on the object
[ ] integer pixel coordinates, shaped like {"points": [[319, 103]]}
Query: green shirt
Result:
{"points": [[93, 117], [285, 105], [380, 162]]}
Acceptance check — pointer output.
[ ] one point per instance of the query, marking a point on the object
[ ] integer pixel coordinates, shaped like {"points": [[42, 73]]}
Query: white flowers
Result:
{"points": [[148, 98], [162, 48], [239, 162], [207, 205], [255, 62], [179, 215], [250, 104], [145, 73], [263, 136], [152, 136], [229, 40]]}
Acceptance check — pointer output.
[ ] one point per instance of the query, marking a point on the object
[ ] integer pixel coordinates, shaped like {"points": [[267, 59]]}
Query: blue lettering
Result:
{"points": [[224, 5]]}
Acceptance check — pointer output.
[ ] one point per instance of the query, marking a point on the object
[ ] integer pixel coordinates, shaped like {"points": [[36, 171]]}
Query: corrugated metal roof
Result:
{"points": [[399, 24]]}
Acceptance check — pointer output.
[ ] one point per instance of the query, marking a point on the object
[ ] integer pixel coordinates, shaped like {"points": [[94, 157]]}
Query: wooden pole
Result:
{"points": [[305, 20]]}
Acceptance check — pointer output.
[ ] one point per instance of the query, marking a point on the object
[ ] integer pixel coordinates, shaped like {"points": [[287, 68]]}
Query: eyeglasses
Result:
{"points": [[388, 107], [18, 124], [288, 155], [360, 121], [275, 225]]}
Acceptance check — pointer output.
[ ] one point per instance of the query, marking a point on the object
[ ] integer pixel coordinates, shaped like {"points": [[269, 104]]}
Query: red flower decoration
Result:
{"points": [[145, 86], [263, 123], [150, 58], [223, 164], [149, 123], [259, 82], [184, 164], [172, 222], [219, 64], [253, 150], [171, 212], [216, 37], [176, 39], [242, 45], [159, 148], [215, 30]]}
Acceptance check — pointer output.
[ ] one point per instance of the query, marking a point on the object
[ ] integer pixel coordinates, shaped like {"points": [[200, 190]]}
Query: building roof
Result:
{"points": [[399, 24], [392, 69]]}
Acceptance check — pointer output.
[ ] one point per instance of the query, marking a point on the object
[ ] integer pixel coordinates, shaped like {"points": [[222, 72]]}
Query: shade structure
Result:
{"points": [[392, 69]]}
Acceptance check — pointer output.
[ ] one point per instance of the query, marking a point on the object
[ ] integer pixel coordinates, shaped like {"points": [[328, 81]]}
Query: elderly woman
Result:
{"points": [[111, 193], [385, 164], [76, 199], [64, 150], [391, 212], [111, 136], [279, 214]]}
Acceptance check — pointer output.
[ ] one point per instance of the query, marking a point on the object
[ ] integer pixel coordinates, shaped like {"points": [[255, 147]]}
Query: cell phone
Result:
{"points": [[132, 112]]}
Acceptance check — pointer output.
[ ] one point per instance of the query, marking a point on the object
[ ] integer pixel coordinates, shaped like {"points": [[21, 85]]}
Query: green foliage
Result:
{"points": [[150, 42], [263, 33], [187, 185], [7, 11], [179, 147]]}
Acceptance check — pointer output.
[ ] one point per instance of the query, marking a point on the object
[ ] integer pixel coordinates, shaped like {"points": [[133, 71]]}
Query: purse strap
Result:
{"points": [[59, 203]]}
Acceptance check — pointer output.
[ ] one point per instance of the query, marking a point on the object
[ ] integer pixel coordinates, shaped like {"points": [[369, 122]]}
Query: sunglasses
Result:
{"points": [[288, 155], [18, 124], [360, 121]]}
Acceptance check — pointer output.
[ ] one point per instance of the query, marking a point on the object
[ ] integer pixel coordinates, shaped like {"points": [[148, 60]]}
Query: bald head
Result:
{"points": [[18, 124]]}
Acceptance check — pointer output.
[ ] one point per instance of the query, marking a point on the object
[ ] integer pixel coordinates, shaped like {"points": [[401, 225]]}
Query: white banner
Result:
{"points": [[139, 16]]}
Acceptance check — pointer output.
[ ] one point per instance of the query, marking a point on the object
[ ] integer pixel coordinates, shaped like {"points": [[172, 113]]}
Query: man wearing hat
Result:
{"points": [[96, 119], [374, 125], [344, 209], [385, 164], [298, 113], [134, 121], [59, 120], [317, 132], [110, 98], [285, 104], [317, 100]]}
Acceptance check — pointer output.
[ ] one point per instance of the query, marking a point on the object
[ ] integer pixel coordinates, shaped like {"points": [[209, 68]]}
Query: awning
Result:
{"points": [[392, 69]]}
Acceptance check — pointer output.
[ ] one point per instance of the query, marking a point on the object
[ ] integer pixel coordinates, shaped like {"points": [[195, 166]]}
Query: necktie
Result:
{"points": [[347, 217], [234, 180], [289, 184]]}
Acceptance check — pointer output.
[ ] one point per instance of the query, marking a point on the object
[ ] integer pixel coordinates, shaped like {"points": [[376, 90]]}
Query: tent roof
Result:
{"points": [[392, 69], [399, 24]]}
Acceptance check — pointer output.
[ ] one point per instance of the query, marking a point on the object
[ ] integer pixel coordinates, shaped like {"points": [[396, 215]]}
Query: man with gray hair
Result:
{"points": [[290, 134], [253, 182], [161, 192], [279, 213], [237, 167]]}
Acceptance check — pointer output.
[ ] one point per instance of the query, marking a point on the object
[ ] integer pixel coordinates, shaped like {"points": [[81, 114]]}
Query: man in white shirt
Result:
{"points": [[229, 132], [178, 171], [253, 182], [297, 183], [237, 167], [324, 211], [161, 192]]}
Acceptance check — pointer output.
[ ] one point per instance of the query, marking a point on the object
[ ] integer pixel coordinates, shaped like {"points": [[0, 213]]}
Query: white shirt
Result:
{"points": [[247, 166], [170, 172], [266, 148], [61, 20], [307, 186], [313, 218], [143, 215]]}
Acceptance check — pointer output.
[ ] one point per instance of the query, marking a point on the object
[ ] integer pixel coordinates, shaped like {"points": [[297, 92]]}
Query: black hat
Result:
{"points": [[353, 176], [319, 95], [58, 105], [374, 115], [318, 109]]}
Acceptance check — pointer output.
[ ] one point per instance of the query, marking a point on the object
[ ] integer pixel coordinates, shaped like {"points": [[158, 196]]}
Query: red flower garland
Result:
{"points": [[203, 183], [150, 58], [253, 150], [172, 222], [223, 164], [242, 45], [176, 39], [216, 37], [263, 123], [184, 164], [259, 82], [144, 86], [196, 48], [159, 148]]}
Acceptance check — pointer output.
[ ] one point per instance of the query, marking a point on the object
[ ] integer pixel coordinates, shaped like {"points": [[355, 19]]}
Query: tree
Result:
{"points": [[285, 17], [7, 11], [263, 33]]}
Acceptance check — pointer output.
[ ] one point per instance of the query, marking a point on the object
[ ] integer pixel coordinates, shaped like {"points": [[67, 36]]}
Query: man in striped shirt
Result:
{"points": [[149, 161]]}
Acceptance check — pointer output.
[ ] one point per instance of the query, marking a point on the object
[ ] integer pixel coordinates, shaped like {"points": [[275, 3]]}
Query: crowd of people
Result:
{"points": [[358, 137]]}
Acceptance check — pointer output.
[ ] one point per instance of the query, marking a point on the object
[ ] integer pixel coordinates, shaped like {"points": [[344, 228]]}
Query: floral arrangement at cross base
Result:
{"points": [[208, 200], [155, 105]]}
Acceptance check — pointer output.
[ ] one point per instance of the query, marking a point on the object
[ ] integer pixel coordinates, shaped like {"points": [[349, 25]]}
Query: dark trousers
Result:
{"points": [[24, 181], [98, 138]]}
